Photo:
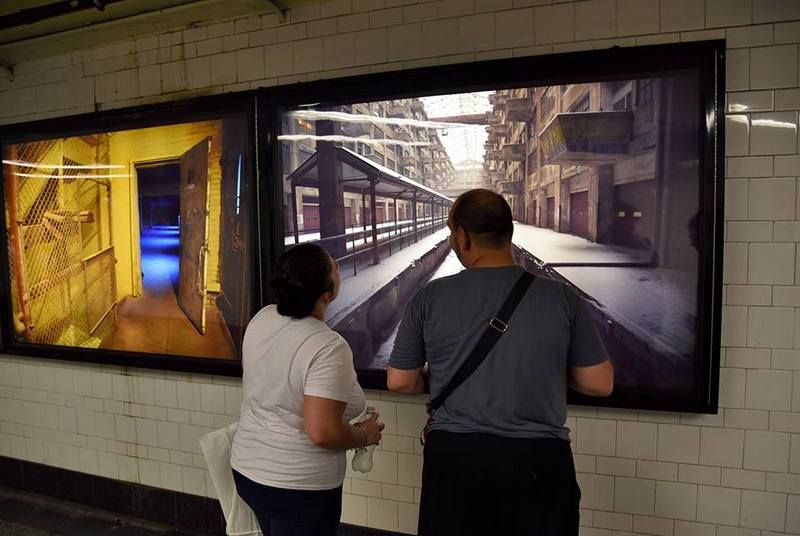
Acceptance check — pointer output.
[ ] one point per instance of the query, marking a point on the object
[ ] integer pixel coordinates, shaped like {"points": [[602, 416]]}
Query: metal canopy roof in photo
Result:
{"points": [[356, 174]]}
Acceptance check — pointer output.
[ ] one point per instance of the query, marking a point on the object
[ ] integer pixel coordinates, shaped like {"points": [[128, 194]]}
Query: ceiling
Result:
{"points": [[31, 29]]}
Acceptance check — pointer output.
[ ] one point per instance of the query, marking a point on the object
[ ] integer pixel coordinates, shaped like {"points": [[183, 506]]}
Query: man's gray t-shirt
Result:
{"points": [[520, 390]]}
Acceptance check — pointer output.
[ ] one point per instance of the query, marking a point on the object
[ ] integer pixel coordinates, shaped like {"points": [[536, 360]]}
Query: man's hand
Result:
{"points": [[409, 382]]}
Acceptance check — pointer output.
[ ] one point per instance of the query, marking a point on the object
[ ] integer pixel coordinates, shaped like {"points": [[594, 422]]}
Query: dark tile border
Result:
{"points": [[176, 509], [354, 530], [30, 512], [127, 498]]}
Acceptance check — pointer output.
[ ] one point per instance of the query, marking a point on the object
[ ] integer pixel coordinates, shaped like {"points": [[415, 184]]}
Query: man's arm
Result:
{"points": [[408, 382], [594, 380], [405, 372], [590, 370]]}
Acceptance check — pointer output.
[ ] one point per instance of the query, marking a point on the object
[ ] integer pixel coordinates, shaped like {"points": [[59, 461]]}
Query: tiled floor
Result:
{"points": [[25, 514]]}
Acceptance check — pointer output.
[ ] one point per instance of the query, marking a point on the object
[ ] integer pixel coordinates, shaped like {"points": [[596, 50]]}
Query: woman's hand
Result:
{"points": [[373, 428], [323, 422]]}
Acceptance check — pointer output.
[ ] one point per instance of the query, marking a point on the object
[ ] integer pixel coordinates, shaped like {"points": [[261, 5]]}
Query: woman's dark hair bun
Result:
{"points": [[280, 281], [304, 274]]}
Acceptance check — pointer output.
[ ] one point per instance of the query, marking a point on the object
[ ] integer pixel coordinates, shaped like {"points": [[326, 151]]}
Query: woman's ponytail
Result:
{"points": [[304, 274]]}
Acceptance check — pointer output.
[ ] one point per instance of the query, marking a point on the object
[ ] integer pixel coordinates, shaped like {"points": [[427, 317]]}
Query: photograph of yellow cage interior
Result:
{"points": [[134, 240]]}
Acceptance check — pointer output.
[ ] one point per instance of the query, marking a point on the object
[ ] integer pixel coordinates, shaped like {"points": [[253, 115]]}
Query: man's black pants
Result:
{"points": [[484, 485]]}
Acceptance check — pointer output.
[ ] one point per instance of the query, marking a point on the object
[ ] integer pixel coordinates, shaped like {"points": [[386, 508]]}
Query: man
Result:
{"points": [[497, 457]]}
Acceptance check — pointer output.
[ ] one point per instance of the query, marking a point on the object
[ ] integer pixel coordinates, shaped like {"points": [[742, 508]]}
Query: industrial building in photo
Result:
{"points": [[603, 182], [611, 162]]}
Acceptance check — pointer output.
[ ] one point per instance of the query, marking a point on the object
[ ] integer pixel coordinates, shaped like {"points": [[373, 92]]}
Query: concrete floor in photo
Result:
{"points": [[153, 322], [657, 303]]}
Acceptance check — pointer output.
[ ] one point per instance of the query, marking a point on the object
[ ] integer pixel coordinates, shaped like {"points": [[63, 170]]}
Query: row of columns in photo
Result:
{"points": [[357, 210], [374, 187], [381, 220]]}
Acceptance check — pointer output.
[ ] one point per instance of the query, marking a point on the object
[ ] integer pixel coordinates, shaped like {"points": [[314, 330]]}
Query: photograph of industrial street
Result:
{"points": [[603, 180]]}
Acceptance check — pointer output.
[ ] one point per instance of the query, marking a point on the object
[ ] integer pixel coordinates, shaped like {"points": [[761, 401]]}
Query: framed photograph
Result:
{"points": [[611, 161], [129, 235]]}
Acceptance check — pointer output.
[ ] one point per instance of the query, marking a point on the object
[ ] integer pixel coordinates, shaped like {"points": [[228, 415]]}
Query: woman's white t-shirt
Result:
{"points": [[283, 360]]}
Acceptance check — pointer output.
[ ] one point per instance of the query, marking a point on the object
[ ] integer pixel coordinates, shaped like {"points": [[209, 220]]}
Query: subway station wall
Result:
{"points": [[735, 473]]}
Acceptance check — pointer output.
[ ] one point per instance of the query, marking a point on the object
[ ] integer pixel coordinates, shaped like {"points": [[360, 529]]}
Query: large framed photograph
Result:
{"points": [[610, 161], [128, 235]]}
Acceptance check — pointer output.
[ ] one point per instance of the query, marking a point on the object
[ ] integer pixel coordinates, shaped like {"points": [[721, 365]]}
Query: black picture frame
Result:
{"points": [[160, 114], [707, 57]]}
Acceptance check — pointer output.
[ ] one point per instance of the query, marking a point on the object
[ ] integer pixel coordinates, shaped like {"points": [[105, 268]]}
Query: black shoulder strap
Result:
{"points": [[497, 326]]}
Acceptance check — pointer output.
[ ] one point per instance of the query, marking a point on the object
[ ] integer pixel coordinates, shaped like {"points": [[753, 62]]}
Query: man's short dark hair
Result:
{"points": [[485, 215]]}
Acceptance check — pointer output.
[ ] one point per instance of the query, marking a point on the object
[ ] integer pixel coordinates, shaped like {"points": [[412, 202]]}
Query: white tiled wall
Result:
{"points": [[733, 474]]}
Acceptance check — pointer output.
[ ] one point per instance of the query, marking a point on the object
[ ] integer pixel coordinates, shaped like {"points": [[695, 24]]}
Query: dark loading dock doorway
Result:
{"points": [[551, 213], [159, 221], [173, 229], [579, 214], [635, 222]]}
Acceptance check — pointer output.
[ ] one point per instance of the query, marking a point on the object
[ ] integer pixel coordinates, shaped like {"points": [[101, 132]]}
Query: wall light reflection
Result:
{"points": [[20, 163], [774, 123], [79, 176]]}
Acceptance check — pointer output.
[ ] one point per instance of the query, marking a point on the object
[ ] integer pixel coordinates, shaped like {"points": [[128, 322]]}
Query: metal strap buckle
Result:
{"points": [[498, 324]]}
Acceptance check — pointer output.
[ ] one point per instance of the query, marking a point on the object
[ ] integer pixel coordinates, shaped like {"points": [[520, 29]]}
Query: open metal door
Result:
{"points": [[192, 285], [237, 295]]}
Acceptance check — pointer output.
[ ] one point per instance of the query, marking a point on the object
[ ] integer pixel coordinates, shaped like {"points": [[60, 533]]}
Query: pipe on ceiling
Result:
{"points": [[281, 7], [32, 15], [112, 22], [278, 5]]}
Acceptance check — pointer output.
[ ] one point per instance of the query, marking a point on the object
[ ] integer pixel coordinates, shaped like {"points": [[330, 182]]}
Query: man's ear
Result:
{"points": [[466, 241]]}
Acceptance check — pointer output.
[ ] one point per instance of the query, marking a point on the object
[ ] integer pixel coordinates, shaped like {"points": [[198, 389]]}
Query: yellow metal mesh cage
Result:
{"points": [[62, 212]]}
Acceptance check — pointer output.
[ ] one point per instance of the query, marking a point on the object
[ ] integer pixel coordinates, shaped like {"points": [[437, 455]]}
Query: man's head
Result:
{"points": [[480, 224]]}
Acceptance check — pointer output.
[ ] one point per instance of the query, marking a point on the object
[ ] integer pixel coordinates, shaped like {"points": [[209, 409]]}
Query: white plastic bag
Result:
{"points": [[239, 518]]}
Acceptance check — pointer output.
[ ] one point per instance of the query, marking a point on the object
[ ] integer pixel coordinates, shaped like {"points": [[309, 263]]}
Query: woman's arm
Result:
{"points": [[324, 423]]}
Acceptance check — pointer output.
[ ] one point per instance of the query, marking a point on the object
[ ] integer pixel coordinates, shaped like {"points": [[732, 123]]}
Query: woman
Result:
{"points": [[299, 392]]}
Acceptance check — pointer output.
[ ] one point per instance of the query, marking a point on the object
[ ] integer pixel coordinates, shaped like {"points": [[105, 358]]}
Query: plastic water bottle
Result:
{"points": [[362, 459]]}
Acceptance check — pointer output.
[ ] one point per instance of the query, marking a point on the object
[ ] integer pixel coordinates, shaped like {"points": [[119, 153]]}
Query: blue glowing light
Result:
{"points": [[160, 249]]}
